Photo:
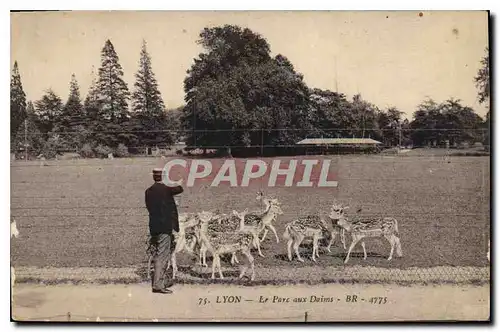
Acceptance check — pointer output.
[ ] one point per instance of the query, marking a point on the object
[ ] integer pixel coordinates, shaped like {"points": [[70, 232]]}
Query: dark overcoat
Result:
{"points": [[163, 215]]}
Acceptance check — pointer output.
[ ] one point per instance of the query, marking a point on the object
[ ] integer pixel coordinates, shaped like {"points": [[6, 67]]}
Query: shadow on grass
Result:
{"points": [[307, 253], [246, 282], [357, 255]]}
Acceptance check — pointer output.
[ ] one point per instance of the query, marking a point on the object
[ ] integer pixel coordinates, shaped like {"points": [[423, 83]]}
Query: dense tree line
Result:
{"points": [[482, 80], [100, 124], [237, 87], [239, 99]]}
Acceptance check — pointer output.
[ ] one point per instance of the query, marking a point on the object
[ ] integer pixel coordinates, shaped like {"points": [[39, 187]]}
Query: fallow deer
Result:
{"points": [[309, 226], [184, 240], [219, 243], [267, 222], [218, 223], [367, 227], [255, 224]]}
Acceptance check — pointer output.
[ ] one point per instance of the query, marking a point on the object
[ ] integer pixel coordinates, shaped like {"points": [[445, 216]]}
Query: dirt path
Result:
{"points": [[137, 303]]}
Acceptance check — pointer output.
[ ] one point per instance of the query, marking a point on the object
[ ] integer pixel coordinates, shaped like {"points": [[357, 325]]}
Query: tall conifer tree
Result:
{"points": [[17, 101], [150, 117]]}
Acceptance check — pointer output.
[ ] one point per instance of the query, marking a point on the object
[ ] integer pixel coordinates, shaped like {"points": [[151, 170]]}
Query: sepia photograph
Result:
{"points": [[250, 166]]}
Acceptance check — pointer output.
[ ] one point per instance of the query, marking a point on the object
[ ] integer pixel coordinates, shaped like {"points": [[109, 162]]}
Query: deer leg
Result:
{"points": [[275, 233], [203, 256], [296, 247], [315, 248], [173, 258], [391, 241], [243, 271], [353, 244], [252, 266], [251, 263], [364, 249], [289, 249], [213, 266], [219, 267], [244, 268], [399, 251], [265, 234], [205, 250], [342, 238], [257, 244], [199, 257], [174, 265], [234, 259], [333, 235]]}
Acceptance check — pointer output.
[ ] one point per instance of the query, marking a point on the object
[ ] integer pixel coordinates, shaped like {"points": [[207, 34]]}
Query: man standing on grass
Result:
{"points": [[163, 219]]}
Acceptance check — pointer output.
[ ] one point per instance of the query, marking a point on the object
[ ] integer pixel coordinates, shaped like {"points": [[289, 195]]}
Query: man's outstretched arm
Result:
{"points": [[176, 190]]}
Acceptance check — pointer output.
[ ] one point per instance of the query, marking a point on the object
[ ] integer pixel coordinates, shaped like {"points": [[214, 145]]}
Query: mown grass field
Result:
{"points": [[91, 213]]}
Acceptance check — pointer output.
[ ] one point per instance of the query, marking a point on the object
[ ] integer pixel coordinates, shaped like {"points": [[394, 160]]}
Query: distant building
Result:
{"points": [[158, 150], [339, 145]]}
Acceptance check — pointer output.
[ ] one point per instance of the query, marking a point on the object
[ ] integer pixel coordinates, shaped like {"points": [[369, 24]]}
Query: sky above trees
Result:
{"points": [[391, 58]]}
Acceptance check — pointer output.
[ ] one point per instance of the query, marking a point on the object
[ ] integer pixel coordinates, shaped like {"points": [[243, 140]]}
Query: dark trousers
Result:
{"points": [[163, 243]]}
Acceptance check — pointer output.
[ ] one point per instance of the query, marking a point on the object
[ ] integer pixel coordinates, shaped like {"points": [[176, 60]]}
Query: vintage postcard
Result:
{"points": [[294, 166]]}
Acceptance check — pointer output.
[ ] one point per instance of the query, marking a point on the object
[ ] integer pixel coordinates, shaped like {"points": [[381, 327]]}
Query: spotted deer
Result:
{"points": [[313, 226], [218, 223], [361, 227], [342, 233], [225, 242], [256, 223], [184, 241], [267, 222]]}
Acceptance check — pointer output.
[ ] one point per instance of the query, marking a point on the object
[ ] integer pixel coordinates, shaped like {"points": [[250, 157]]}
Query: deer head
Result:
{"points": [[191, 221], [240, 215], [275, 206], [338, 217], [274, 201], [205, 216], [337, 211]]}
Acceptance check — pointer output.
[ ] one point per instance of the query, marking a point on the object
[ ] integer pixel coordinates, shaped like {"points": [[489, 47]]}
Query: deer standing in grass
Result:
{"points": [[256, 223], [313, 226], [219, 243], [252, 223], [266, 222], [219, 223], [184, 239], [367, 227]]}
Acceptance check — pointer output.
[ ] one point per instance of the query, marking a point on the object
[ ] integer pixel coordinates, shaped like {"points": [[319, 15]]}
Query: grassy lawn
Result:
{"points": [[90, 213]]}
